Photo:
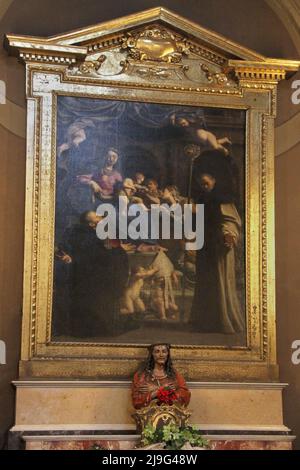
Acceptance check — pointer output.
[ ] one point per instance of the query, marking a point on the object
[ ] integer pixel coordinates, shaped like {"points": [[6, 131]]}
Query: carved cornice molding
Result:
{"points": [[127, 384], [273, 70], [30, 49]]}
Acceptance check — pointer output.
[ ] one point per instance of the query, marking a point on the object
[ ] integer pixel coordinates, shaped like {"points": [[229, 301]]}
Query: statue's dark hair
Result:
{"points": [[148, 365]]}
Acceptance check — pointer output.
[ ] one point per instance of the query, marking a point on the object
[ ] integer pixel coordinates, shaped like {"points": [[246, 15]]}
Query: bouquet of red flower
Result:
{"points": [[165, 395]]}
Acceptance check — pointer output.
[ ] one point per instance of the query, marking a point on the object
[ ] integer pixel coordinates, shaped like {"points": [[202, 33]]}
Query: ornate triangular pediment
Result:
{"points": [[150, 20], [154, 45]]}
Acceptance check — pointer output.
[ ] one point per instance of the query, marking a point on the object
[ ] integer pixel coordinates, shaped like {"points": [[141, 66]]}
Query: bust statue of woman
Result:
{"points": [[157, 373]]}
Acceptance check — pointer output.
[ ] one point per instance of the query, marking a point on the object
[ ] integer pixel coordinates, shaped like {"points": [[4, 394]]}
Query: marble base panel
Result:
{"points": [[131, 442], [93, 402]]}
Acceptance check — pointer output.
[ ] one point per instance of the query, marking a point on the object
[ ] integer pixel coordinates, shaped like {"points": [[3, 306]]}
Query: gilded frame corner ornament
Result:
{"points": [[184, 64]]}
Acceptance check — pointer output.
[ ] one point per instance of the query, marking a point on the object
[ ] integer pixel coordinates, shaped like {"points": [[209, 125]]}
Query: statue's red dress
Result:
{"points": [[142, 399]]}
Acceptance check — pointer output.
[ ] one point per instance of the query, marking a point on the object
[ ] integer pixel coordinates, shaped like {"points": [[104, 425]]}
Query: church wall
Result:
{"points": [[288, 279], [250, 22], [12, 190]]}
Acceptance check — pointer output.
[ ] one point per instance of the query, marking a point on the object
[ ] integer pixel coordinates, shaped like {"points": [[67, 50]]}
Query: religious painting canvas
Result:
{"points": [[141, 285]]}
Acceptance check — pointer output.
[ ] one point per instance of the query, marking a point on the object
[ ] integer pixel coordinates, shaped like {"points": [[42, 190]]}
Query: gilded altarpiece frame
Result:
{"points": [[149, 57]]}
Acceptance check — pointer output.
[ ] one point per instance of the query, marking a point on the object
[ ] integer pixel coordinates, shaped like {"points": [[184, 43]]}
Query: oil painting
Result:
{"points": [[151, 288]]}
